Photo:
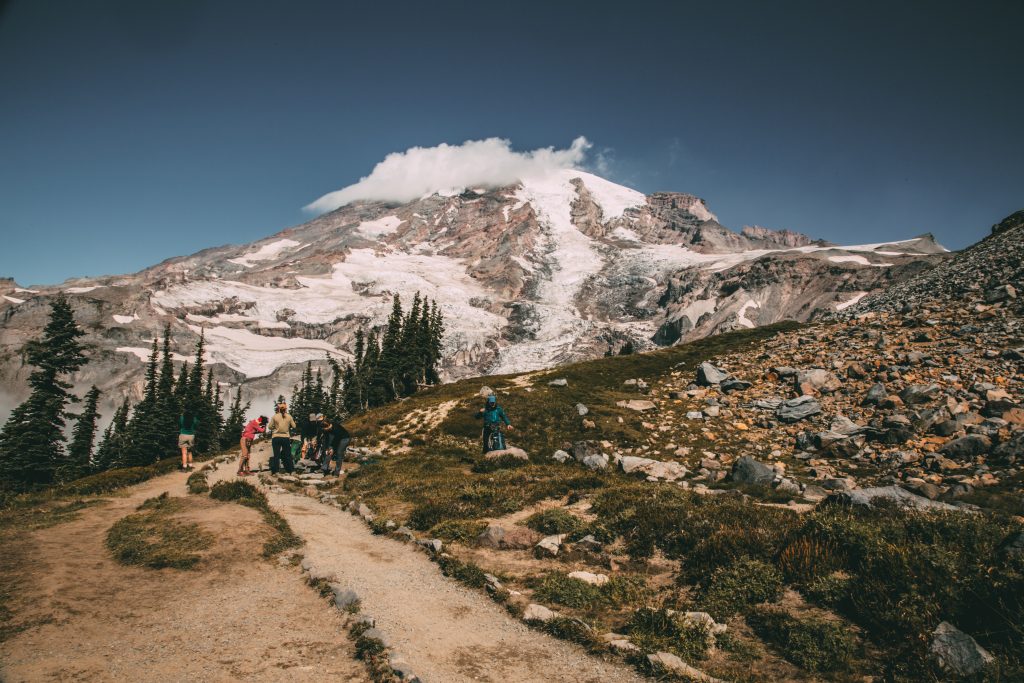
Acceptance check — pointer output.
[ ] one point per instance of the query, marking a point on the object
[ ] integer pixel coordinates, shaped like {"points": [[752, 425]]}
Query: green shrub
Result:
{"points": [[152, 538], [561, 589], [464, 572], [502, 462], [812, 644], [573, 630], [734, 589], [197, 483], [655, 630], [831, 590], [461, 530], [554, 521]]}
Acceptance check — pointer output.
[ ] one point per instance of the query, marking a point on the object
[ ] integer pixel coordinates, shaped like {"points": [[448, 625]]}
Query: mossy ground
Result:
{"points": [[154, 538]]}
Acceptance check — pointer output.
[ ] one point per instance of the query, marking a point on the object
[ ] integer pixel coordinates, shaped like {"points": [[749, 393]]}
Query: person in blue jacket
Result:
{"points": [[493, 416]]}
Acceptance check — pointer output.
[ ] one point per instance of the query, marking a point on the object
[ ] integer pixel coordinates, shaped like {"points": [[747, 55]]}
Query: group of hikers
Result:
{"points": [[324, 440]]}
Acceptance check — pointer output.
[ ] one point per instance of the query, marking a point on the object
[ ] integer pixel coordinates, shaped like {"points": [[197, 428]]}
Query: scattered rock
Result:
{"points": [[671, 663], [549, 545], [708, 375], [636, 404], [561, 456], [588, 577], [560, 382], [535, 612], [345, 599], [747, 470], [957, 653], [511, 452], [581, 409], [797, 409]]}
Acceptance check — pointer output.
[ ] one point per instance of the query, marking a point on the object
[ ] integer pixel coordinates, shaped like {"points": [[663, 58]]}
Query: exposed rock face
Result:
{"points": [[551, 270]]}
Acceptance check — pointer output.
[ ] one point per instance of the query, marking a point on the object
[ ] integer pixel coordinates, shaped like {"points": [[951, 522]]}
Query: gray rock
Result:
{"points": [[876, 394], [597, 461], [638, 405], [667, 470], [920, 393], [581, 409], [967, 446], [797, 409], [432, 545], [900, 496], [561, 456], [344, 598], [549, 545], [402, 670], [957, 653], [510, 452], [491, 537], [582, 449], [733, 384], [404, 533], [375, 633], [560, 382], [746, 470], [1013, 546], [535, 612], [708, 375], [671, 663], [694, 415], [817, 379]]}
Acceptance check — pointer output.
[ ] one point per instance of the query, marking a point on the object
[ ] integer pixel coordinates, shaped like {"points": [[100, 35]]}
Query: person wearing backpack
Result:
{"points": [[281, 426], [493, 416], [335, 440], [187, 424]]}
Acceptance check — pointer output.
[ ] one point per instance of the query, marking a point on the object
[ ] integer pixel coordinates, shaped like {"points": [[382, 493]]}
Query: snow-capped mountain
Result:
{"points": [[558, 267]]}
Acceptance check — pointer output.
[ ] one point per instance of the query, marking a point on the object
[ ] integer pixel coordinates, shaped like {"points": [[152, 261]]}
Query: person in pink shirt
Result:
{"points": [[256, 426]]}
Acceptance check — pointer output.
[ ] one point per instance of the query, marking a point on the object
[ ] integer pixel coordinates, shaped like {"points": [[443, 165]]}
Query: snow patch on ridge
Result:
{"points": [[741, 316], [125, 319], [14, 299], [380, 227], [613, 199], [254, 355], [852, 302], [265, 253], [143, 353]]}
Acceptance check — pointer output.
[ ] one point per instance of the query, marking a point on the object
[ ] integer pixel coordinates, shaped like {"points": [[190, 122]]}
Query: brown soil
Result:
{"points": [[79, 615]]}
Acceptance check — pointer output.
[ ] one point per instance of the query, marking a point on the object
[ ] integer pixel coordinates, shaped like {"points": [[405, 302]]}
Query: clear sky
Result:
{"points": [[134, 131]]}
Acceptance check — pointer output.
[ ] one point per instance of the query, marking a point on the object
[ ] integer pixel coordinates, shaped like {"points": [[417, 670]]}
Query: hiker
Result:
{"points": [[335, 440], [310, 432], [493, 415], [187, 438], [249, 434], [281, 426]]}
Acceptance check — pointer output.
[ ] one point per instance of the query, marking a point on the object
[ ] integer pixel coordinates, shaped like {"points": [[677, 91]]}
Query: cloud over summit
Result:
{"points": [[420, 171]]}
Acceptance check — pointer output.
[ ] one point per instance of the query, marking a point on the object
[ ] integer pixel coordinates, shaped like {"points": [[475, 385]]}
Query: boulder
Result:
{"points": [[596, 461], [796, 409], [900, 496], [561, 456], [511, 452], [549, 545], [816, 379], [733, 384], [512, 538], [588, 577], [957, 653], [708, 375], [876, 394], [669, 662], [920, 393], [535, 612], [967, 446], [432, 545], [668, 470], [694, 415], [560, 382], [746, 470]]}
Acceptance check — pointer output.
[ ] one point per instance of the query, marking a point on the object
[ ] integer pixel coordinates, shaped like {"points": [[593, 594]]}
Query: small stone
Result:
{"points": [[956, 652], [708, 375], [588, 577], [549, 545], [560, 382], [561, 456], [581, 409], [797, 409], [638, 405], [535, 612]]}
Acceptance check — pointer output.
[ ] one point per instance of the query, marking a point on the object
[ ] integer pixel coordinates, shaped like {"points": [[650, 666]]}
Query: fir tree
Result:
{"points": [[167, 402], [79, 460], [235, 422], [144, 444], [112, 447], [32, 441]]}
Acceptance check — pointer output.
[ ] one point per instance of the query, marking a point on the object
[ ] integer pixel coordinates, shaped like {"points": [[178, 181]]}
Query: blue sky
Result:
{"points": [[131, 132]]}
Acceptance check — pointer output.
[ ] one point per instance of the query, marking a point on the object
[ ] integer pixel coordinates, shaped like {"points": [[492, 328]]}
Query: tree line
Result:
{"points": [[36, 452]]}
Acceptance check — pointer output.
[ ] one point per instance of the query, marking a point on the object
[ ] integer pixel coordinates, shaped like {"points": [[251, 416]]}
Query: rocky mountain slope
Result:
{"points": [[553, 269], [792, 490]]}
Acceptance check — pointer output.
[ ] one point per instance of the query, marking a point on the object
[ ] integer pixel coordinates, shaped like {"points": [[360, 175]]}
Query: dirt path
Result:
{"points": [[446, 632], [237, 618]]}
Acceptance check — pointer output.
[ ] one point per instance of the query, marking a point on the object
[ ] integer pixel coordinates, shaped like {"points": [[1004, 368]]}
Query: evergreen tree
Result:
{"points": [[32, 441], [167, 403], [110, 452], [235, 422], [627, 348], [144, 443], [181, 389], [335, 403], [79, 461]]}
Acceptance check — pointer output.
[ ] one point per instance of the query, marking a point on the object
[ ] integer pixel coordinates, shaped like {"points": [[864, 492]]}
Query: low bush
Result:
{"points": [[461, 530], [573, 630], [463, 572], [554, 521], [197, 483], [561, 589], [732, 589], [813, 644], [655, 630], [502, 462], [152, 538]]}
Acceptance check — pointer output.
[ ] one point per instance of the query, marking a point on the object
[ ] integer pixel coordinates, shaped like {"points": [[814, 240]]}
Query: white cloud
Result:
{"points": [[448, 169]]}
